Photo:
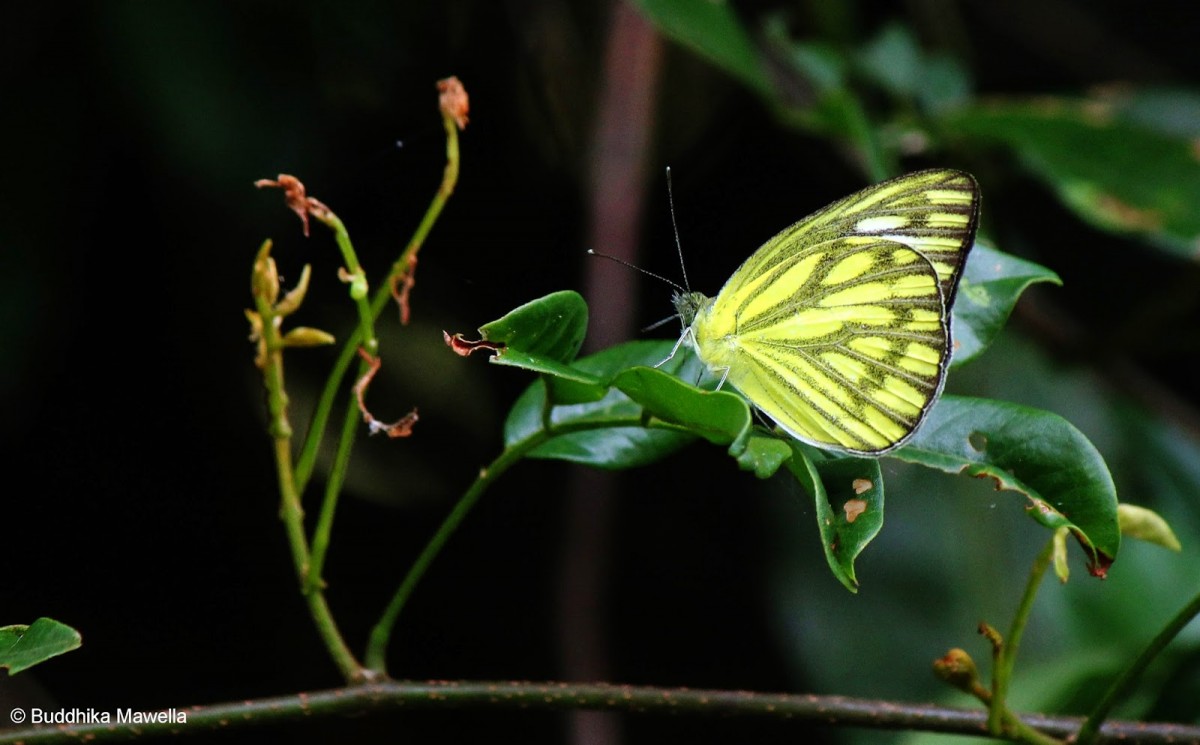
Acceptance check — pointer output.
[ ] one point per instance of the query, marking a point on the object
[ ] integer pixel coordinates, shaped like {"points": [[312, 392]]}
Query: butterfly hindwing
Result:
{"points": [[838, 328]]}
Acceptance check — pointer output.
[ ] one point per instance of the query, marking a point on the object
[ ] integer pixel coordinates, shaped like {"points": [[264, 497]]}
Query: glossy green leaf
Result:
{"points": [[628, 441], [713, 30], [848, 496], [720, 417], [1117, 174], [991, 285], [763, 455], [551, 327], [1032, 452], [22, 647], [543, 336]]}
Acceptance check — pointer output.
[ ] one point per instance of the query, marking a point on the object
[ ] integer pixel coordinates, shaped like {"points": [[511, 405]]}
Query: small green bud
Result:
{"points": [[291, 301], [264, 281], [303, 336], [958, 669]]}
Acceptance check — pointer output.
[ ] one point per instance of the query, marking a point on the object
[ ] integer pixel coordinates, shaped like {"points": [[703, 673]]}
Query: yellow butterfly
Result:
{"points": [[838, 328]]}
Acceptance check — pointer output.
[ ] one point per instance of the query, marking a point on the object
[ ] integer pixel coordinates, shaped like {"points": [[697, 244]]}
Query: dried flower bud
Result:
{"points": [[453, 101]]}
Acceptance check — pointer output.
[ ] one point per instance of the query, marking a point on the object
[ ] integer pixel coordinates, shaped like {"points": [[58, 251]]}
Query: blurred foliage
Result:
{"points": [[1122, 159]]}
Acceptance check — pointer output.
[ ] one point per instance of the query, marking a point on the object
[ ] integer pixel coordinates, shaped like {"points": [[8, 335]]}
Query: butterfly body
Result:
{"points": [[838, 328]]}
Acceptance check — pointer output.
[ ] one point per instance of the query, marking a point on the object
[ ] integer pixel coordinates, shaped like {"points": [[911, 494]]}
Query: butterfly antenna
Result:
{"points": [[675, 227], [637, 268]]}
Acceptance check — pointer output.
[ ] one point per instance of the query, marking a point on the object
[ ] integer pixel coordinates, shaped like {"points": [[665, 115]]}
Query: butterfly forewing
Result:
{"points": [[838, 327]]}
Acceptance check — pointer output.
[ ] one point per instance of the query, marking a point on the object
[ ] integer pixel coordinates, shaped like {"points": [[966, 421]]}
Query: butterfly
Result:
{"points": [[838, 328]]}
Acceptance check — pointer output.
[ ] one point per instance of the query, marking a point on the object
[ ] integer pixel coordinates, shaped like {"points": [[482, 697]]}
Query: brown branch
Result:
{"points": [[509, 696]]}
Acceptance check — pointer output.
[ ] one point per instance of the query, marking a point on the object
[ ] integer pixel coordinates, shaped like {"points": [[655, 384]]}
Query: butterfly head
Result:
{"points": [[688, 305]]}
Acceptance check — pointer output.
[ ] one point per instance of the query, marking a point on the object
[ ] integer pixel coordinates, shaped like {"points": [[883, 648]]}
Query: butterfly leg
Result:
{"points": [[723, 377], [674, 349]]}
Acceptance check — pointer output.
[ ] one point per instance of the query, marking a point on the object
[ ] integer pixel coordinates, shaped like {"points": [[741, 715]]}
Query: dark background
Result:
{"points": [[141, 506]]}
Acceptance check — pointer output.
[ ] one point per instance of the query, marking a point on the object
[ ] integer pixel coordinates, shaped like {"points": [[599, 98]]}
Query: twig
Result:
{"points": [[551, 696]]}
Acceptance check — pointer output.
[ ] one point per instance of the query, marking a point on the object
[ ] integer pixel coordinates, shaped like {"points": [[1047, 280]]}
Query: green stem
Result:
{"points": [[333, 488], [290, 510], [320, 421], [999, 718], [1122, 685], [445, 189], [376, 656], [366, 316]]}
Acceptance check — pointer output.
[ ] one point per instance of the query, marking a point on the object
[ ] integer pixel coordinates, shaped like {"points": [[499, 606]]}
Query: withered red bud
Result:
{"points": [[453, 101]]}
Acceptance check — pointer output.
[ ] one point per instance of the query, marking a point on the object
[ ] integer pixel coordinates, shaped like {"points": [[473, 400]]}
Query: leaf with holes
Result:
{"points": [[1036, 453], [848, 496]]}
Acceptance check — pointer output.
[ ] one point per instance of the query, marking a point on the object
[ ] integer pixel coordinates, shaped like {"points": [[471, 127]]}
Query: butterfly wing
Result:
{"points": [[838, 328]]}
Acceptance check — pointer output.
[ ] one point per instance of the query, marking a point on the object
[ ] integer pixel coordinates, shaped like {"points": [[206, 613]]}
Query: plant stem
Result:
{"points": [[1122, 685], [320, 420], [290, 509], [445, 189], [554, 696], [377, 646], [1000, 720], [333, 488], [337, 376], [366, 336], [376, 656]]}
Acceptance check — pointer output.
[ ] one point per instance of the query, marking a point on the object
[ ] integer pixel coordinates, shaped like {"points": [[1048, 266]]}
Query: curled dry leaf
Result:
{"points": [[401, 286], [403, 427], [464, 347], [297, 200]]}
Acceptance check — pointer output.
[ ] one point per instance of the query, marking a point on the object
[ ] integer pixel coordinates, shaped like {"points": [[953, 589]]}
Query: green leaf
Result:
{"points": [[1036, 453], [848, 496], [894, 61], [720, 417], [991, 285], [764, 455], [542, 336], [1171, 111], [628, 441], [712, 30], [22, 647], [551, 327], [1147, 525], [1117, 174]]}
